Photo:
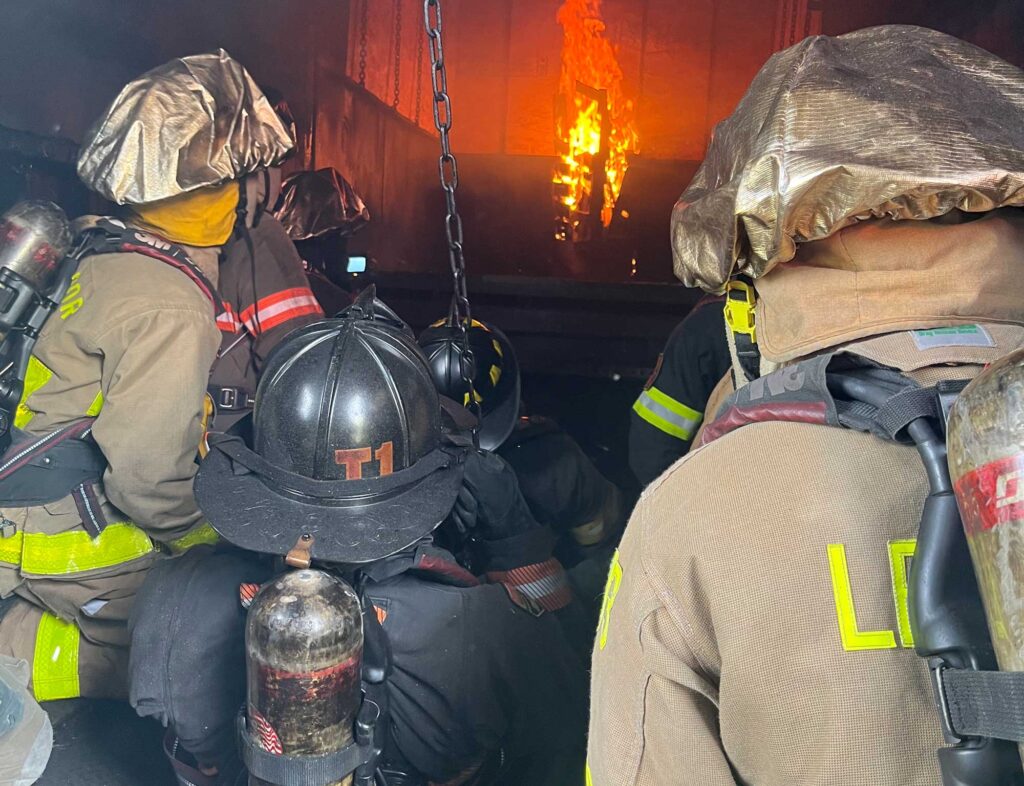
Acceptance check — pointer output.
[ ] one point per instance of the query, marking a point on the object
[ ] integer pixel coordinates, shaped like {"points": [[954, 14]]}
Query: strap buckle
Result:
{"points": [[937, 668], [740, 302], [232, 398]]}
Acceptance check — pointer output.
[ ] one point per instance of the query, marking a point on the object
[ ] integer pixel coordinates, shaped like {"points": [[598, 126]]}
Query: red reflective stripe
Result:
{"points": [[293, 313], [279, 308], [264, 303]]}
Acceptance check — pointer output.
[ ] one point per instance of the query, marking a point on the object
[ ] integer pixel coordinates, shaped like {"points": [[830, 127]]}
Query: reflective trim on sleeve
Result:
{"points": [[200, 535], [55, 662], [668, 415], [36, 375], [76, 552]]}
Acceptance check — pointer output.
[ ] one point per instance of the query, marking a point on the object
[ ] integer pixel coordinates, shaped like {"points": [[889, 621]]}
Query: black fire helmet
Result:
{"points": [[494, 371], [348, 446]]}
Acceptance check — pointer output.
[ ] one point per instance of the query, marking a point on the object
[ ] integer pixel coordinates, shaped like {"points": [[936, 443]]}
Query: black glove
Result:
{"points": [[490, 505]]}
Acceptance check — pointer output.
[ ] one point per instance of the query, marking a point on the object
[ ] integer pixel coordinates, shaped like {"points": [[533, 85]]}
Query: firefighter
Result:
{"points": [[485, 686], [670, 409], [321, 211], [264, 287], [120, 372], [563, 488], [755, 627]]}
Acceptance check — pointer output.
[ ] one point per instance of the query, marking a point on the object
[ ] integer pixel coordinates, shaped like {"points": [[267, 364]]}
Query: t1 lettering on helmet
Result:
{"points": [[353, 459]]}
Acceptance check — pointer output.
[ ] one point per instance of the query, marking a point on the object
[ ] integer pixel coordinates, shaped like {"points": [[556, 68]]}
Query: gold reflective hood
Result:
{"points": [[193, 122], [894, 121]]}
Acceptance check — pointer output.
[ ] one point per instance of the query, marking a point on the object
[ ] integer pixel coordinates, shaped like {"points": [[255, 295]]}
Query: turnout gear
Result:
{"points": [[123, 364], [494, 372], [266, 297], [689, 676], [320, 203], [474, 679], [190, 123], [777, 174], [347, 425], [670, 409]]}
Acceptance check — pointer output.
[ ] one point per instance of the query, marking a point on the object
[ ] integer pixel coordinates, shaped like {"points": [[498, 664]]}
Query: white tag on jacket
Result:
{"points": [[958, 336]]}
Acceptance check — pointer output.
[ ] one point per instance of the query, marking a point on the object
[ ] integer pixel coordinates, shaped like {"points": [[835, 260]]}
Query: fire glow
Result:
{"points": [[594, 124]]}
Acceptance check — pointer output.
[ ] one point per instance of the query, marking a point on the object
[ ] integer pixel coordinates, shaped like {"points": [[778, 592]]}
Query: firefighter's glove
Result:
{"points": [[491, 509], [490, 505]]}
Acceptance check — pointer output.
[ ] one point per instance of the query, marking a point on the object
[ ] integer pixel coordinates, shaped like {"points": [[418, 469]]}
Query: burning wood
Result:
{"points": [[593, 123]]}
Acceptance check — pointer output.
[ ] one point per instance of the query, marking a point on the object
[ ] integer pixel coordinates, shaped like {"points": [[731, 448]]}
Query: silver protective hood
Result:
{"points": [[315, 203], [192, 122], [890, 121]]}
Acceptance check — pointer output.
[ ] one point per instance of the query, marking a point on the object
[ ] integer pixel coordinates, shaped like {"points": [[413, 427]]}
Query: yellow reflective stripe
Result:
{"points": [[590, 780], [611, 590], [10, 549], [36, 375], [495, 375], [677, 407], [55, 663], [900, 552], [96, 406], [852, 637], [74, 552], [198, 536], [668, 415]]}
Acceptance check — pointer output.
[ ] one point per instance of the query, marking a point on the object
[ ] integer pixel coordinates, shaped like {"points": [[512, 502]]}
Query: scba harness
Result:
{"points": [[981, 708], [43, 469]]}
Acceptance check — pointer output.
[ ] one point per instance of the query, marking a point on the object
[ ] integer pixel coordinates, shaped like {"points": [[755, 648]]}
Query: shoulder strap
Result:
{"points": [[109, 236], [839, 390]]}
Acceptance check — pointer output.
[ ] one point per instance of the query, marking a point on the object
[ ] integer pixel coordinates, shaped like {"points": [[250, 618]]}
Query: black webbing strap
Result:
{"points": [[245, 460], [306, 770], [985, 703], [901, 409]]}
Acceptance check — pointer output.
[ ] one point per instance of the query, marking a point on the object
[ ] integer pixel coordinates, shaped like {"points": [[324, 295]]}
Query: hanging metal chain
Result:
{"points": [[461, 316], [398, 53], [419, 77], [364, 24]]}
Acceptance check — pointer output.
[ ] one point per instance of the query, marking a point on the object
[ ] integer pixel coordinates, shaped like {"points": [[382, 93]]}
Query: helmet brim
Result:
{"points": [[252, 515]]}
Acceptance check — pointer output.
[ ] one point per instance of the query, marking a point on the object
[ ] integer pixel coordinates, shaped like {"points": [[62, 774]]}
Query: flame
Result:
{"points": [[590, 72]]}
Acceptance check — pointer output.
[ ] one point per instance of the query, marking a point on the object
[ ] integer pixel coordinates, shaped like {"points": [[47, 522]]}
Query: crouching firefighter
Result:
{"points": [[563, 488], [353, 467], [109, 392], [761, 627]]}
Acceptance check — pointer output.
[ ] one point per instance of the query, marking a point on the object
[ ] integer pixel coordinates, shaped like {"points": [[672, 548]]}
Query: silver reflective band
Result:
{"points": [[668, 415]]}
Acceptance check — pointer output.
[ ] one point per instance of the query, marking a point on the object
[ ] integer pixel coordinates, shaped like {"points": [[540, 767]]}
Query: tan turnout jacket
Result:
{"points": [[755, 626]]}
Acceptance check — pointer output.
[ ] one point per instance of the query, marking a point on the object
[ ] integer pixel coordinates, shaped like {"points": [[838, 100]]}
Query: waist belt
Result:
{"points": [[40, 470]]}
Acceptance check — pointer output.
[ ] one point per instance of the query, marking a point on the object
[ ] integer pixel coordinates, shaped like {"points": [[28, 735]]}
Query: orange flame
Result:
{"points": [[590, 87]]}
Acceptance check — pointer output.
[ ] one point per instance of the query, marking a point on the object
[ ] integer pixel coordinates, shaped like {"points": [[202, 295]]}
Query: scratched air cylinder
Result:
{"points": [[986, 463], [304, 649]]}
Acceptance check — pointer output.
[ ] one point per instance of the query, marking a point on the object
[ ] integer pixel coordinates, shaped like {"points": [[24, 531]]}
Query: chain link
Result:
{"points": [[364, 24], [460, 316], [398, 54]]}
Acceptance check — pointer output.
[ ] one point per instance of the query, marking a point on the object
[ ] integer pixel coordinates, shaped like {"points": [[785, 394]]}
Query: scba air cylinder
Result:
{"points": [[986, 463], [304, 648]]}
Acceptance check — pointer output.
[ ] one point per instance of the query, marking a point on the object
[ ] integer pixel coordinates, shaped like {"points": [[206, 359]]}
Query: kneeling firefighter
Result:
{"points": [[563, 488], [98, 481], [352, 470], [760, 625]]}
